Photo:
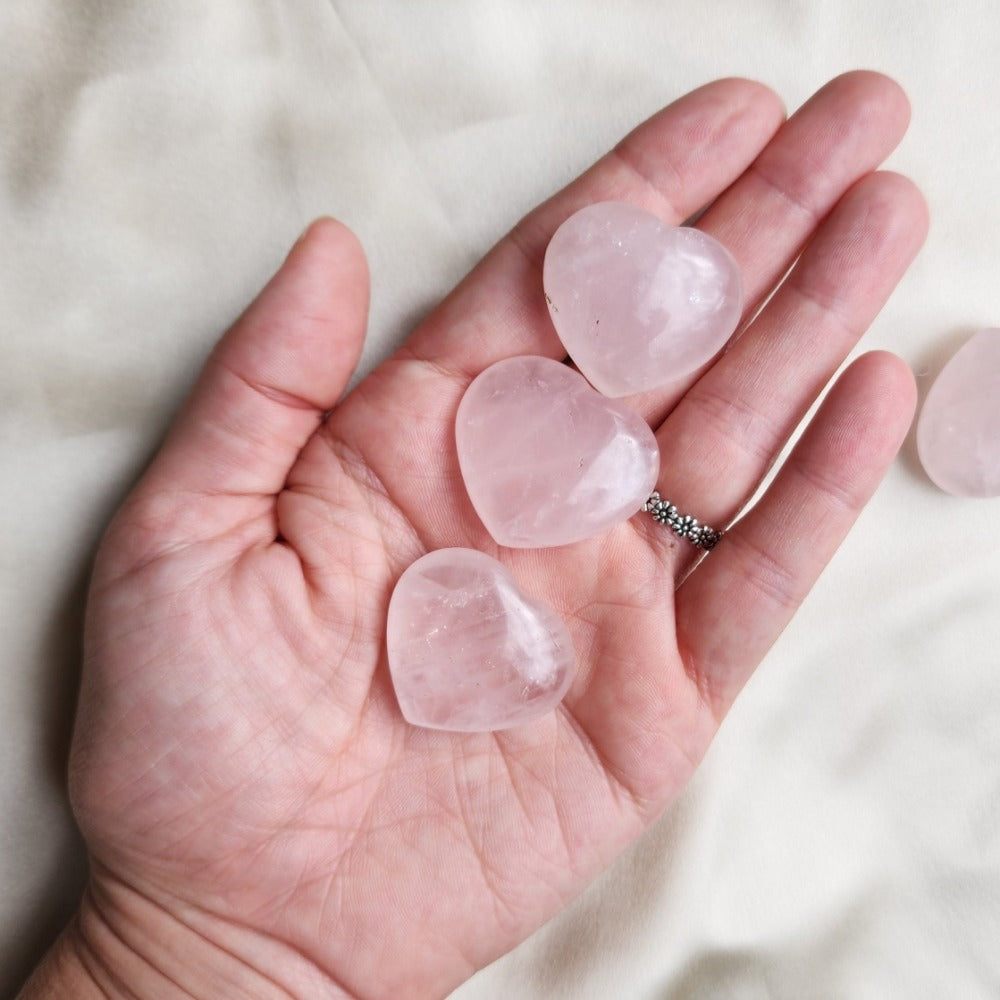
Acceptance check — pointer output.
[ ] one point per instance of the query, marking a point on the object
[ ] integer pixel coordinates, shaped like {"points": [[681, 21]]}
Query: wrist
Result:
{"points": [[121, 943], [63, 972]]}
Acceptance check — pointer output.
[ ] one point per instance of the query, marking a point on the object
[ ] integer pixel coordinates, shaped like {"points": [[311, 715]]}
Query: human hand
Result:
{"points": [[261, 820]]}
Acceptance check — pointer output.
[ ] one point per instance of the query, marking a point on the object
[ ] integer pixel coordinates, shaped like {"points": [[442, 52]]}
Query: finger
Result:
{"points": [[272, 377], [734, 605], [671, 165], [722, 437], [840, 134]]}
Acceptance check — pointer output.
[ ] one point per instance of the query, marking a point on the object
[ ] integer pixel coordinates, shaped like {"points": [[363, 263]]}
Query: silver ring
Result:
{"points": [[682, 525]]}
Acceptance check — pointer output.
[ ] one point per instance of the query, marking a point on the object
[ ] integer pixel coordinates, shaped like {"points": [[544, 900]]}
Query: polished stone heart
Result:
{"points": [[545, 459], [638, 304], [468, 651], [958, 435]]}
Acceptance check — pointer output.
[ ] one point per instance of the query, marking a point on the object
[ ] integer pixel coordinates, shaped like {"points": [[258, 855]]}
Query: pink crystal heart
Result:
{"points": [[468, 651], [638, 304], [958, 435], [545, 459]]}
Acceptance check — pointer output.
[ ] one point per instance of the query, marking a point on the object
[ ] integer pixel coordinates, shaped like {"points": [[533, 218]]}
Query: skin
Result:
{"points": [[260, 819]]}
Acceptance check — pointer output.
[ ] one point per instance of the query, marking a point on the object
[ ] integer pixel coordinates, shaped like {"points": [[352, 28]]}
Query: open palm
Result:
{"points": [[240, 766]]}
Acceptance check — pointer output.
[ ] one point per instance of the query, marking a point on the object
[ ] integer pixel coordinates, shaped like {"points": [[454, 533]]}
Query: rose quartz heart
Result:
{"points": [[958, 435], [467, 651], [545, 459], [638, 304]]}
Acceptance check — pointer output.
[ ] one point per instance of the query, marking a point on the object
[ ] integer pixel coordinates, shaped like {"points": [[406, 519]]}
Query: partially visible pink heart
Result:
{"points": [[467, 651], [638, 304], [958, 435], [547, 460]]}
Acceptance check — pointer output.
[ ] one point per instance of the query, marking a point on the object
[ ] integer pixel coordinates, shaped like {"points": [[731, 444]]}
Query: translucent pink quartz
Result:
{"points": [[958, 435], [638, 304], [545, 459], [467, 651]]}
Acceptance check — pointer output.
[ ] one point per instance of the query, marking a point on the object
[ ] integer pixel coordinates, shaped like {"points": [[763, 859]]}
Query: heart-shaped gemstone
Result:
{"points": [[546, 459], [468, 651], [958, 436], [638, 304]]}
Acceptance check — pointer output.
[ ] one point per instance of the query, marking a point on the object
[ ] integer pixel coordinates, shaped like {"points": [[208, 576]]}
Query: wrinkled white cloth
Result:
{"points": [[156, 160]]}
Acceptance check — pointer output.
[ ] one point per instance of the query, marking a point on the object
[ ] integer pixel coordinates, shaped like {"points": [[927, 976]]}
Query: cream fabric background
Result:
{"points": [[156, 159]]}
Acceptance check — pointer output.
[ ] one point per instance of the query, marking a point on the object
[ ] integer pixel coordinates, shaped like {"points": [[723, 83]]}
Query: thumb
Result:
{"points": [[264, 390]]}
